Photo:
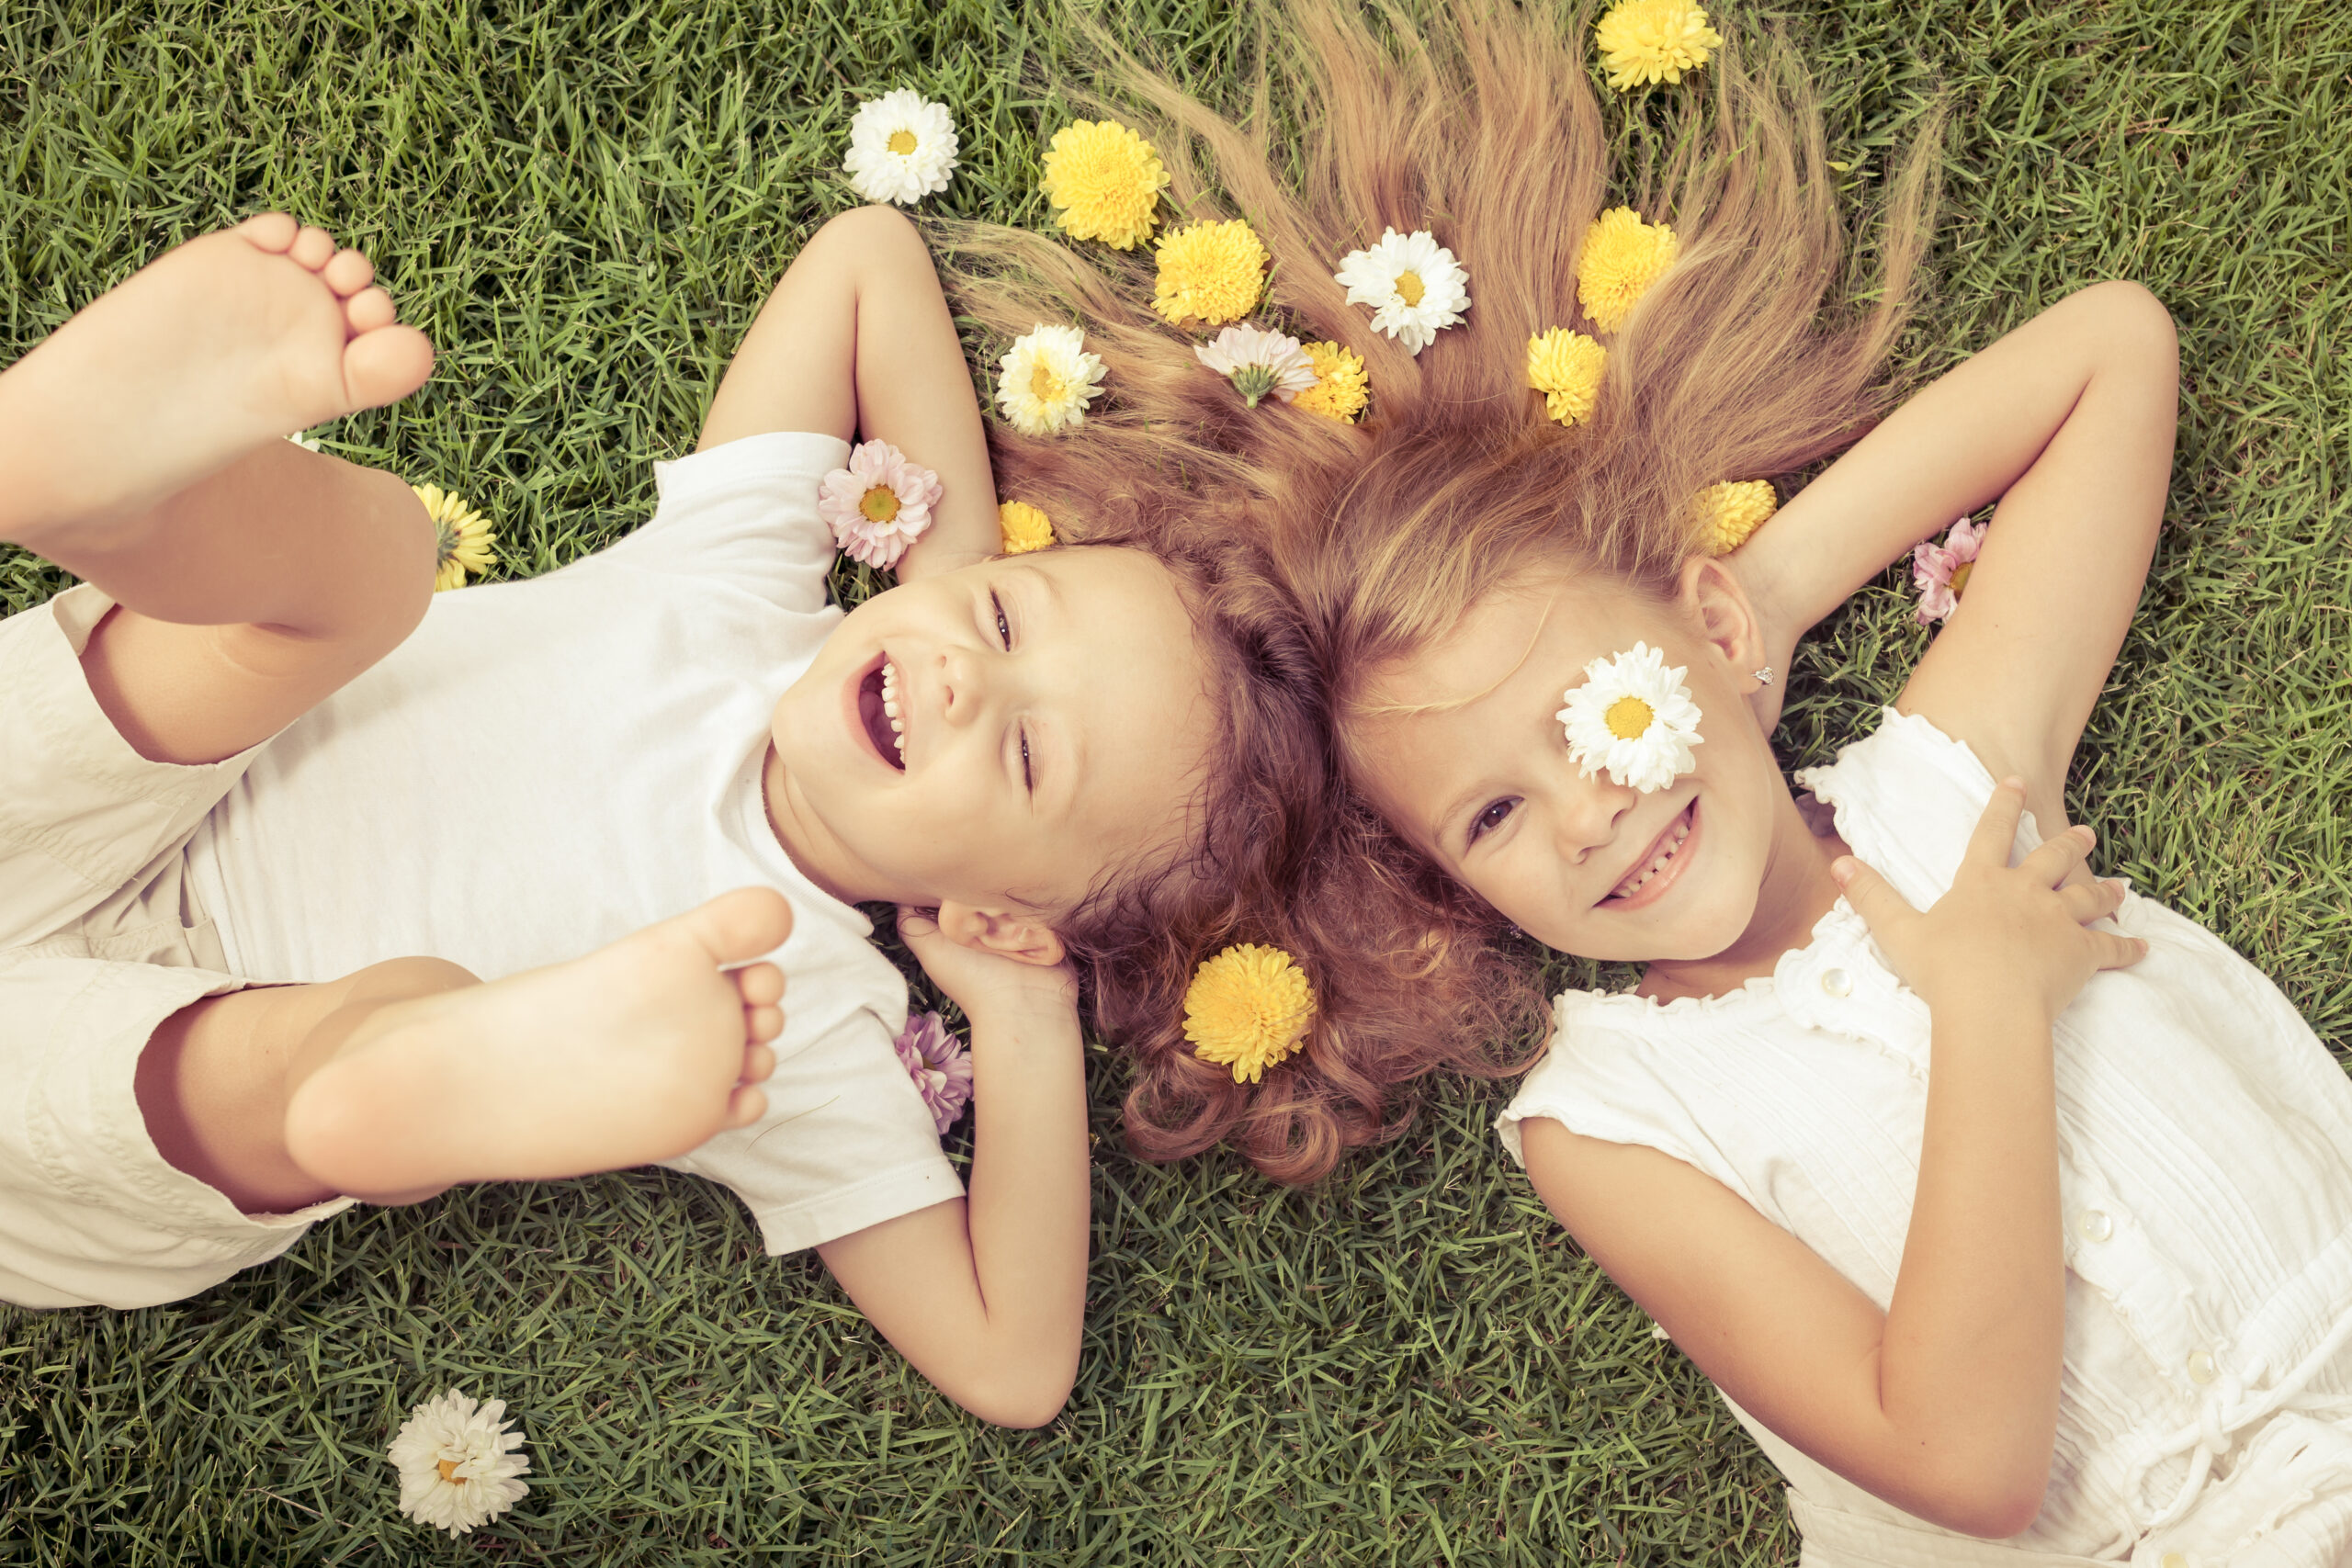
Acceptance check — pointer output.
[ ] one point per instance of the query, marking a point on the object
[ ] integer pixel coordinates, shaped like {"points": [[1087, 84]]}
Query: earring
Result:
{"points": [[1762, 677]]}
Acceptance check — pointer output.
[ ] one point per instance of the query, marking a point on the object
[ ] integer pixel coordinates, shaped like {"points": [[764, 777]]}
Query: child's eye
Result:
{"points": [[1004, 636], [1027, 782], [1490, 818]]}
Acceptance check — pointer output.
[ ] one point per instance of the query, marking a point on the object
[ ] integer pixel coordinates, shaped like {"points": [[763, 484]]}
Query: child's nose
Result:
{"points": [[962, 685], [1585, 814]]}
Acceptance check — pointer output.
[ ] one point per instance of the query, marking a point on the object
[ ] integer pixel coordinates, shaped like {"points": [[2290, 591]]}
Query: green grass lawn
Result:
{"points": [[584, 204]]}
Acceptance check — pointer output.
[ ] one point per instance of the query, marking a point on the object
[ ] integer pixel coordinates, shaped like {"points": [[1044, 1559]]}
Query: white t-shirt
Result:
{"points": [[545, 766]]}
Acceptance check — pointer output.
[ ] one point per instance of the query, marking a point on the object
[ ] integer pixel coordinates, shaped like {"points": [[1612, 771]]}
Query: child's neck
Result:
{"points": [[818, 855], [1796, 892]]}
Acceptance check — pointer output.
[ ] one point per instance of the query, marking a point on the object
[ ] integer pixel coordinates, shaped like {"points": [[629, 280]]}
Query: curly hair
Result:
{"points": [[1315, 553]]}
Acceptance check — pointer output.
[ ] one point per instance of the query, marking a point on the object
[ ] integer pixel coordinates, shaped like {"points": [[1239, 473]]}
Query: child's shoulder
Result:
{"points": [[1905, 799]]}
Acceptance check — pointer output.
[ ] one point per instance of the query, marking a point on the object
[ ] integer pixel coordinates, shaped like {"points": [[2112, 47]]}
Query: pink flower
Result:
{"points": [[879, 505], [940, 1065], [1941, 572]]}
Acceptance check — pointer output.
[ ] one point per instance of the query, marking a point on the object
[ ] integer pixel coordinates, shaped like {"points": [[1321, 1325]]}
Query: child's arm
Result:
{"points": [[987, 1294], [1945, 1404], [2069, 422], [856, 340]]}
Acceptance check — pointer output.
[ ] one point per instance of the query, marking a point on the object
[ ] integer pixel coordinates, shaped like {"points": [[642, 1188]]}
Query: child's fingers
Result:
{"points": [[2114, 952], [2056, 859], [1996, 830], [1873, 896], [2089, 901]]}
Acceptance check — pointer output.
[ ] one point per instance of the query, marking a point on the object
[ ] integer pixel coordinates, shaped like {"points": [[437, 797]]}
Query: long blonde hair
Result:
{"points": [[1481, 124]]}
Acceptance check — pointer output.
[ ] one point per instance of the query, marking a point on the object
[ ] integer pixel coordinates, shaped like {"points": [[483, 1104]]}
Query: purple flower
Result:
{"points": [[878, 505], [940, 1065], [1941, 572]]}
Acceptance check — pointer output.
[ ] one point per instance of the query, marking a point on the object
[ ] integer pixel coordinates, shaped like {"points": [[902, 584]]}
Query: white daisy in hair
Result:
{"points": [[1258, 362], [456, 1463], [1413, 284], [1047, 379], [901, 148], [1635, 718]]}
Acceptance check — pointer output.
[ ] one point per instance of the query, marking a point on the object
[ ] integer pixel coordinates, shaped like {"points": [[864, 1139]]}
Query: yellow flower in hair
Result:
{"points": [[1565, 367], [1022, 528], [1647, 42], [1340, 391], [1211, 271], [1733, 509], [1622, 257], [461, 537], [1249, 1008], [1104, 182]]}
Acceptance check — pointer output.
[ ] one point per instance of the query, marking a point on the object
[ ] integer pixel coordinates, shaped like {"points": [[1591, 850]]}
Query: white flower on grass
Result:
{"points": [[1258, 362], [1634, 718], [1412, 283], [1049, 379], [457, 1462], [901, 148]]}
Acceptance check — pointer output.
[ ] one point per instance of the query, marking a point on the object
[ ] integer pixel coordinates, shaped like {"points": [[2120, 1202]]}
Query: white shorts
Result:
{"points": [[100, 942]]}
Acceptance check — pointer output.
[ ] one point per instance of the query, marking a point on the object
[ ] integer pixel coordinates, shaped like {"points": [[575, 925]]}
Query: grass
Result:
{"points": [[1410, 1366]]}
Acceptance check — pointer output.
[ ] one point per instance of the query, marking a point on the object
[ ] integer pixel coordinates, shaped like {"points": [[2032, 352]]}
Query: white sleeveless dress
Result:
{"points": [[2205, 1169]]}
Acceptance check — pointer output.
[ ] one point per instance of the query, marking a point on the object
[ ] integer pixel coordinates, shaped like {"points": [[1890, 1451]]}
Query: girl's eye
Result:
{"points": [[1004, 636], [1027, 782], [1490, 818]]}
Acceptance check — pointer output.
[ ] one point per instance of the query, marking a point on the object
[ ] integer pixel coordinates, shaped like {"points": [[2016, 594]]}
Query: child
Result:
{"points": [[244, 764], [2000, 1201]]}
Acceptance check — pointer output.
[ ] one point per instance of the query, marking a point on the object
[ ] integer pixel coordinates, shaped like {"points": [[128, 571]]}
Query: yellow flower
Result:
{"points": [[1733, 509], [1023, 527], [462, 537], [1340, 391], [1645, 41], [1104, 182], [1622, 257], [1211, 271], [1565, 367], [1250, 1007]]}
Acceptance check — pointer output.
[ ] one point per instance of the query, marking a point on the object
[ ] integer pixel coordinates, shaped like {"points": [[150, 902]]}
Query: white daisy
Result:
{"points": [[1412, 283], [1049, 379], [1634, 718], [457, 1462], [901, 148], [1258, 362]]}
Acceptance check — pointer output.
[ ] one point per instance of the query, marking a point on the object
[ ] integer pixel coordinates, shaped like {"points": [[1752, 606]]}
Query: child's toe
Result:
{"points": [[271, 232], [746, 1106], [312, 248], [368, 310], [348, 272], [759, 1065], [385, 366]]}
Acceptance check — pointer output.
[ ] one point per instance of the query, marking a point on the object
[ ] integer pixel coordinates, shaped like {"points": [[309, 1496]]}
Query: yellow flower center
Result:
{"points": [[448, 1469], [1959, 577], [1628, 719], [879, 504], [1409, 287], [902, 143], [1044, 385]]}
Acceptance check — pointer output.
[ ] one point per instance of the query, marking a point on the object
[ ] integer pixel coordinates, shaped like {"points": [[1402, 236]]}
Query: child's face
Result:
{"points": [[1053, 720], [1485, 783]]}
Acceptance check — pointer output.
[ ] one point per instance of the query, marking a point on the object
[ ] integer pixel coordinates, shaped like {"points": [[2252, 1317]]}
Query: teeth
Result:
{"points": [[890, 705], [1633, 885]]}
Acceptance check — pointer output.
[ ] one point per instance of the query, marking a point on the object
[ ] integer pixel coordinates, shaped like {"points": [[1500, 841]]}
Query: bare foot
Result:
{"points": [[639, 1051], [234, 339]]}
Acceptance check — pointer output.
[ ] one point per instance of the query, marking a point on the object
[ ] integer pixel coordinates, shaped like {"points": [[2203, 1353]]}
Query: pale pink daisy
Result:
{"points": [[1941, 572], [879, 505], [940, 1065], [1258, 362]]}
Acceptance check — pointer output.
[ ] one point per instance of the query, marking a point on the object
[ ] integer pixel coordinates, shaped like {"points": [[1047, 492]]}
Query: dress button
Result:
{"points": [[1837, 982], [2095, 1225], [2203, 1368]]}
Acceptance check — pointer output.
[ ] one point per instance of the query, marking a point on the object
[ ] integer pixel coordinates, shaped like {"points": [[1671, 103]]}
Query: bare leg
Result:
{"points": [[142, 451], [410, 1076]]}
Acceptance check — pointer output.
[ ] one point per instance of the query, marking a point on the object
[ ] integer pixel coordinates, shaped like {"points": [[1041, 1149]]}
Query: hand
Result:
{"points": [[1999, 931], [980, 981]]}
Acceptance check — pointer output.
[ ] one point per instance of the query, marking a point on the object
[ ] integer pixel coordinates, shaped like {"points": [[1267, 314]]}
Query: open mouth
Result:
{"points": [[879, 710], [1658, 866]]}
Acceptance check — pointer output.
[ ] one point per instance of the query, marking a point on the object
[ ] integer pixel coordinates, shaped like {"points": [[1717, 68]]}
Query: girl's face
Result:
{"points": [[1464, 755]]}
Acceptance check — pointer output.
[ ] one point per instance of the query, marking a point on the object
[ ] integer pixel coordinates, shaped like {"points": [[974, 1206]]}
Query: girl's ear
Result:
{"points": [[1022, 938], [1719, 609]]}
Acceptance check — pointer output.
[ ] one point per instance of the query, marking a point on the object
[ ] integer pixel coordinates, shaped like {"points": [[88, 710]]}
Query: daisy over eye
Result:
{"points": [[1635, 718]]}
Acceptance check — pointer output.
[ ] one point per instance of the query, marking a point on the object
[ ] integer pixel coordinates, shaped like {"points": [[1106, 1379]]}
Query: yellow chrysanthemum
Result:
{"points": [[1647, 42], [1211, 271], [1623, 256], [1104, 182], [462, 537], [1565, 367], [1023, 527], [1249, 1008], [1340, 390], [1733, 509]]}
